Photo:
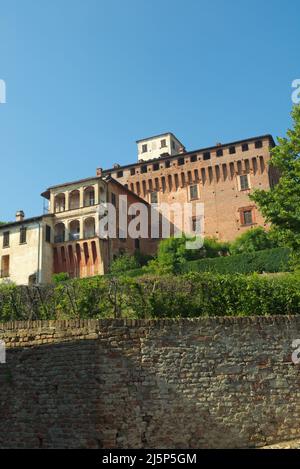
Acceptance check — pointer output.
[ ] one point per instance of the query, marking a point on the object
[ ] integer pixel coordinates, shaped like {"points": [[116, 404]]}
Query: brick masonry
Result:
{"points": [[203, 383]]}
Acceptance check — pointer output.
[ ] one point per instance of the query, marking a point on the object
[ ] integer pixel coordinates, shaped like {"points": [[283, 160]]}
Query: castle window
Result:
{"points": [[143, 169], [206, 155], [244, 182], [113, 199], [132, 171], [155, 167], [119, 174], [167, 164], [154, 197], [23, 236], [246, 217], [231, 150], [173, 144], [6, 239], [219, 152], [48, 234], [144, 148], [258, 144], [194, 192], [193, 158], [196, 225], [163, 143], [180, 161], [262, 164], [245, 147]]}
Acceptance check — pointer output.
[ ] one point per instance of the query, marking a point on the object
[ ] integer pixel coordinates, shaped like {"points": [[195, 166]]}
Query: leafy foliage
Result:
{"points": [[270, 260], [124, 263], [61, 277], [172, 254], [255, 239], [191, 295], [281, 204]]}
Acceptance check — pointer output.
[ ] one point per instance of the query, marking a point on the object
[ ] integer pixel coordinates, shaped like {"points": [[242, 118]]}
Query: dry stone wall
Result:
{"points": [[202, 383]]}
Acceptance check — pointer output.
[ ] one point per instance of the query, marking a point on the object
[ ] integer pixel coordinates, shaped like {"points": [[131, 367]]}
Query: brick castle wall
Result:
{"points": [[202, 383], [217, 179]]}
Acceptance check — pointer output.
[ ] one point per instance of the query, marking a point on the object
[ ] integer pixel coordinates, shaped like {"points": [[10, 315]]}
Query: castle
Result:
{"points": [[66, 238]]}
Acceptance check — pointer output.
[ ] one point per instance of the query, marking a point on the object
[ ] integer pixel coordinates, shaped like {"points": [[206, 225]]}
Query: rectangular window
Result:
{"points": [[48, 234], [258, 144], [23, 232], [219, 152], [247, 218], [193, 158], [163, 143], [5, 266], [167, 164], [154, 198], [173, 144], [231, 150], [206, 155], [196, 225], [113, 199], [244, 182], [6, 239], [119, 174], [180, 161], [155, 167], [245, 147], [144, 148], [194, 192], [132, 171], [143, 169]]}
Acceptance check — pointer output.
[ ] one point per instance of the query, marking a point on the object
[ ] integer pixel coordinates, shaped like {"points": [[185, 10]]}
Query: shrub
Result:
{"points": [[124, 263], [190, 295], [270, 260], [61, 277], [255, 239], [172, 254]]}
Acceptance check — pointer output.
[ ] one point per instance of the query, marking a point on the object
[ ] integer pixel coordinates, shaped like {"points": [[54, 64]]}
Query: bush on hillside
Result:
{"points": [[255, 239], [191, 295], [270, 260]]}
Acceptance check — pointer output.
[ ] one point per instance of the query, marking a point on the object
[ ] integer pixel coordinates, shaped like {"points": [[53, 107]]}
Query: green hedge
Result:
{"points": [[270, 260], [190, 295]]}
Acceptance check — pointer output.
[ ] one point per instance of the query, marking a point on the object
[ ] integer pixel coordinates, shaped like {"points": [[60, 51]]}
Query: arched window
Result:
{"points": [[60, 203], [89, 227], [59, 233], [74, 230], [74, 200], [89, 196]]}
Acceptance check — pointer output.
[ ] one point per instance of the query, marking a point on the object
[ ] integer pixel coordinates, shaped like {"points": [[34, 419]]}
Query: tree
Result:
{"points": [[124, 263], [253, 240], [281, 204], [172, 254]]}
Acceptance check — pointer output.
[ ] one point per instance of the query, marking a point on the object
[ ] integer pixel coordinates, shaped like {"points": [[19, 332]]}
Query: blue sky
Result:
{"points": [[85, 79]]}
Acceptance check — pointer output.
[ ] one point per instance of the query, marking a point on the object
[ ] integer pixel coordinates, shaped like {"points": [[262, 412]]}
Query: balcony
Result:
{"points": [[59, 238], [74, 236]]}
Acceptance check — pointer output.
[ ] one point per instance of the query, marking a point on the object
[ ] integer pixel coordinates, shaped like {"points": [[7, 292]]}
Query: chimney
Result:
{"points": [[20, 215], [99, 172]]}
